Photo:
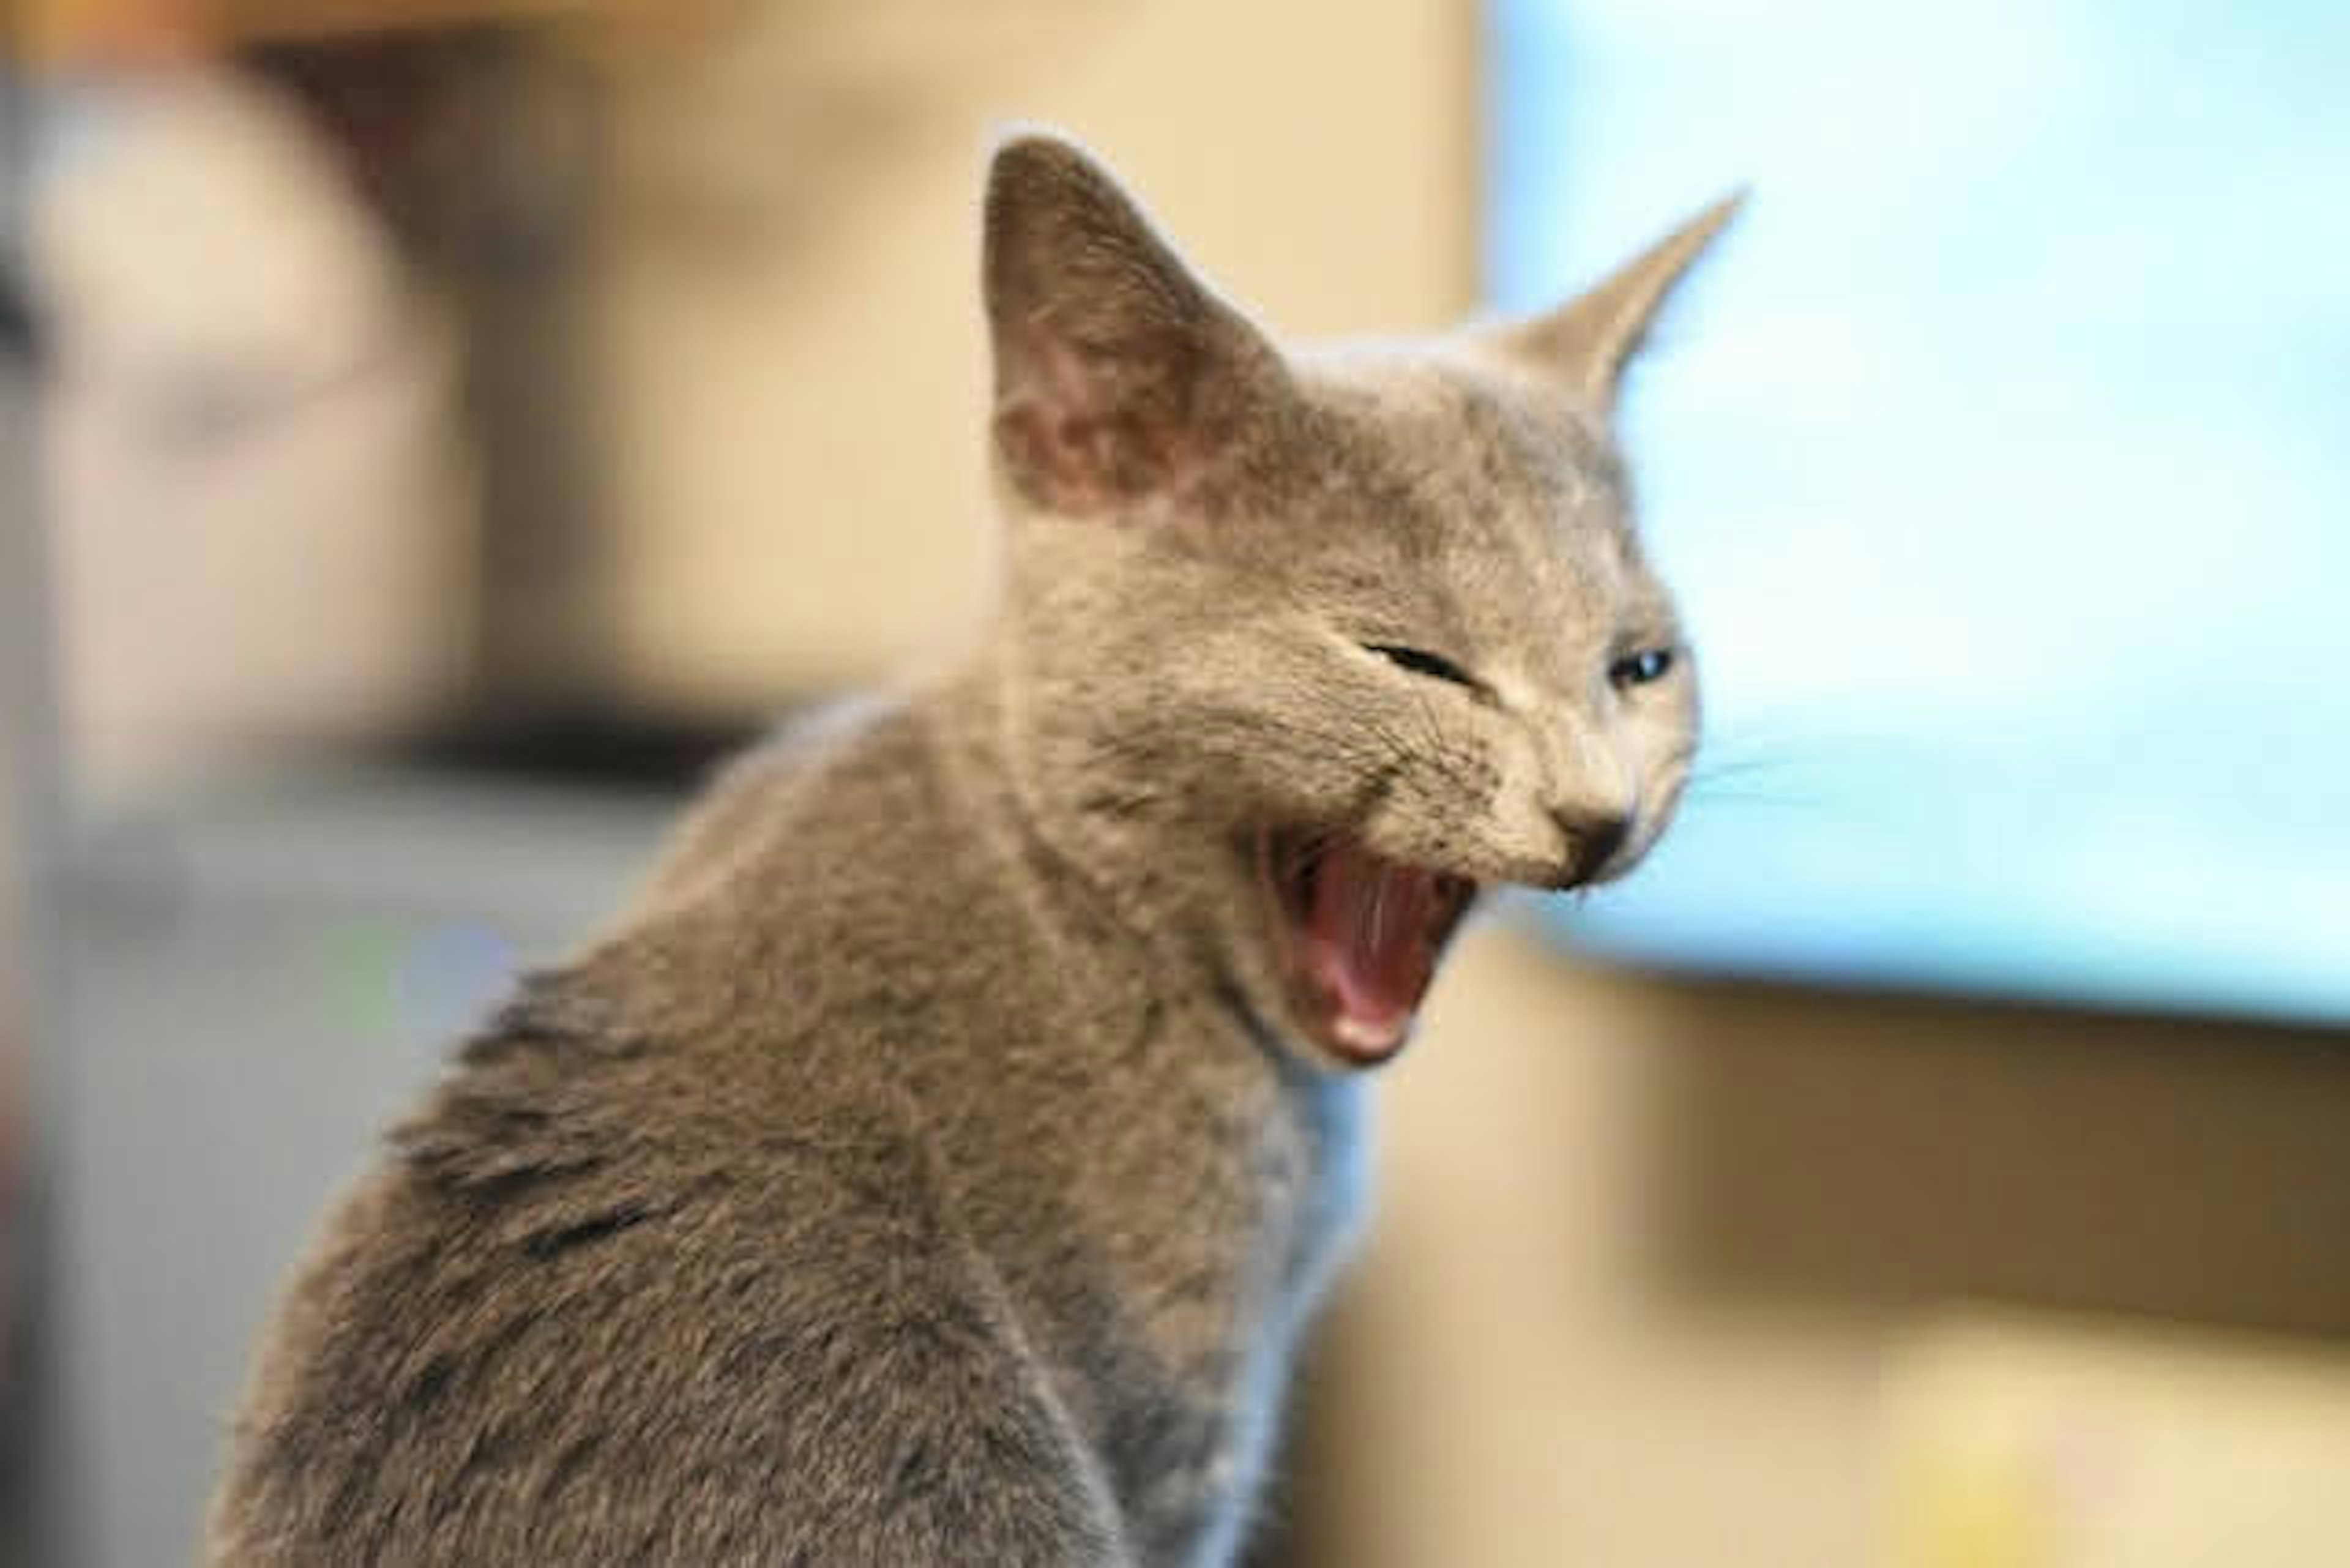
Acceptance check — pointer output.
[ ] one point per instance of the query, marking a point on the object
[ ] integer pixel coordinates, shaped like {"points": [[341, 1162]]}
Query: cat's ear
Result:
{"points": [[1588, 340], [1118, 374]]}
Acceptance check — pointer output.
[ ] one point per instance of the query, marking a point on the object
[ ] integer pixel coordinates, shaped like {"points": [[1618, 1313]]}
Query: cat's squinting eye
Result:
{"points": [[1419, 661], [1641, 668]]}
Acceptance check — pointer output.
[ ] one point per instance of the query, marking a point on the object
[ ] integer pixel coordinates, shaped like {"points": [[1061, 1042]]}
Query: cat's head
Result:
{"points": [[1303, 650]]}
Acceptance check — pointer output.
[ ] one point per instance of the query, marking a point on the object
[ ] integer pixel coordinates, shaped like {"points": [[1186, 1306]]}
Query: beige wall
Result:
{"points": [[800, 480], [1646, 1252]]}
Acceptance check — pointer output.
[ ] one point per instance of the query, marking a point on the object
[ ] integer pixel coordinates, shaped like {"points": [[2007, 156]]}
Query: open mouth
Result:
{"points": [[1359, 936]]}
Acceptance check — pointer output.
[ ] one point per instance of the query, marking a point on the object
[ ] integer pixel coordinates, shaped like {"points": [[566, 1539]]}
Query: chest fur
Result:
{"points": [[1220, 1237]]}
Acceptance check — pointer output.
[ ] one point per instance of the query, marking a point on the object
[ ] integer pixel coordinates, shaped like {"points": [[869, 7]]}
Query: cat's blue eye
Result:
{"points": [[1651, 664], [1419, 661]]}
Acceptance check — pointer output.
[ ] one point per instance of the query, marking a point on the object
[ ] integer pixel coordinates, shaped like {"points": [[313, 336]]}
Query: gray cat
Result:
{"points": [[939, 1163]]}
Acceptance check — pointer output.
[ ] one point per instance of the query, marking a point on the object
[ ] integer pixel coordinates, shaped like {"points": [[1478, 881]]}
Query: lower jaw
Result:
{"points": [[1347, 1040], [1362, 1042]]}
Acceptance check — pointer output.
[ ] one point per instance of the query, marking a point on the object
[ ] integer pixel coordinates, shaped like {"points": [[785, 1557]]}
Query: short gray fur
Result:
{"points": [[929, 1168]]}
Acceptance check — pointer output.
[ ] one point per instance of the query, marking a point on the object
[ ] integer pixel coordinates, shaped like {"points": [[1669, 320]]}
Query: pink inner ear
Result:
{"points": [[1049, 460], [1081, 464], [1081, 429]]}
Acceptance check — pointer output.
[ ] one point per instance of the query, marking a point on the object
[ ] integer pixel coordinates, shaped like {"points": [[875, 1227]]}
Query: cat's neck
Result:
{"points": [[1149, 880], [1189, 1106]]}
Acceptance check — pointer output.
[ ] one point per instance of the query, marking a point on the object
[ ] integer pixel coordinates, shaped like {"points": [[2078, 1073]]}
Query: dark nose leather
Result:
{"points": [[1592, 840]]}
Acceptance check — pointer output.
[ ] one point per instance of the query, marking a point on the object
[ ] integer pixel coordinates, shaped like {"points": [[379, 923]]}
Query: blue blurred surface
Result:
{"points": [[2002, 463]]}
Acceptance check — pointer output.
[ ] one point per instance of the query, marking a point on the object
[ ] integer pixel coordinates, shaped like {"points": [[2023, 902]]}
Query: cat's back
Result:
{"points": [[652, 1277]]}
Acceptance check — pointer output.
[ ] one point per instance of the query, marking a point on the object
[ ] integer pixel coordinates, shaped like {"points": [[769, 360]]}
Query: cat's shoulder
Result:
{"points": [[813, 765]]}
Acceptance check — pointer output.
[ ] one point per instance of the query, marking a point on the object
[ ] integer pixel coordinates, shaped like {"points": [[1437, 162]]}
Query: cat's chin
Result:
{"points": [[1356, 938]]}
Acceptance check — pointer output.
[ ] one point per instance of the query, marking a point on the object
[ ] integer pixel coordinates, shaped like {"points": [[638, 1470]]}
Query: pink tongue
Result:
{"points": [[1366, 942]]}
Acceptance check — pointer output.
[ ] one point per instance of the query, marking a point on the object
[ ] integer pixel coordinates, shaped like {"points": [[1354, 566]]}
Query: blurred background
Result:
{"points": [[432, 431]]}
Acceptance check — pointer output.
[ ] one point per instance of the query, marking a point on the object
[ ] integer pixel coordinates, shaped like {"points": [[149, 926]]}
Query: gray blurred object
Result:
{"points": [[256, 498], [37, 1446], [480, 149], [264, 976]]}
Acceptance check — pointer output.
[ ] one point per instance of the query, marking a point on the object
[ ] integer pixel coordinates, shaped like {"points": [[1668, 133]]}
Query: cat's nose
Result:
{"points": [[1593, 839]]}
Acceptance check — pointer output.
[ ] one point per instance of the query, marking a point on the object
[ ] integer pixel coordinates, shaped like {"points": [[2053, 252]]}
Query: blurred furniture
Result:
{"points": [[55, 31], [2023, 1441], [278, 20], [264, 977], [36, 1457]]}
